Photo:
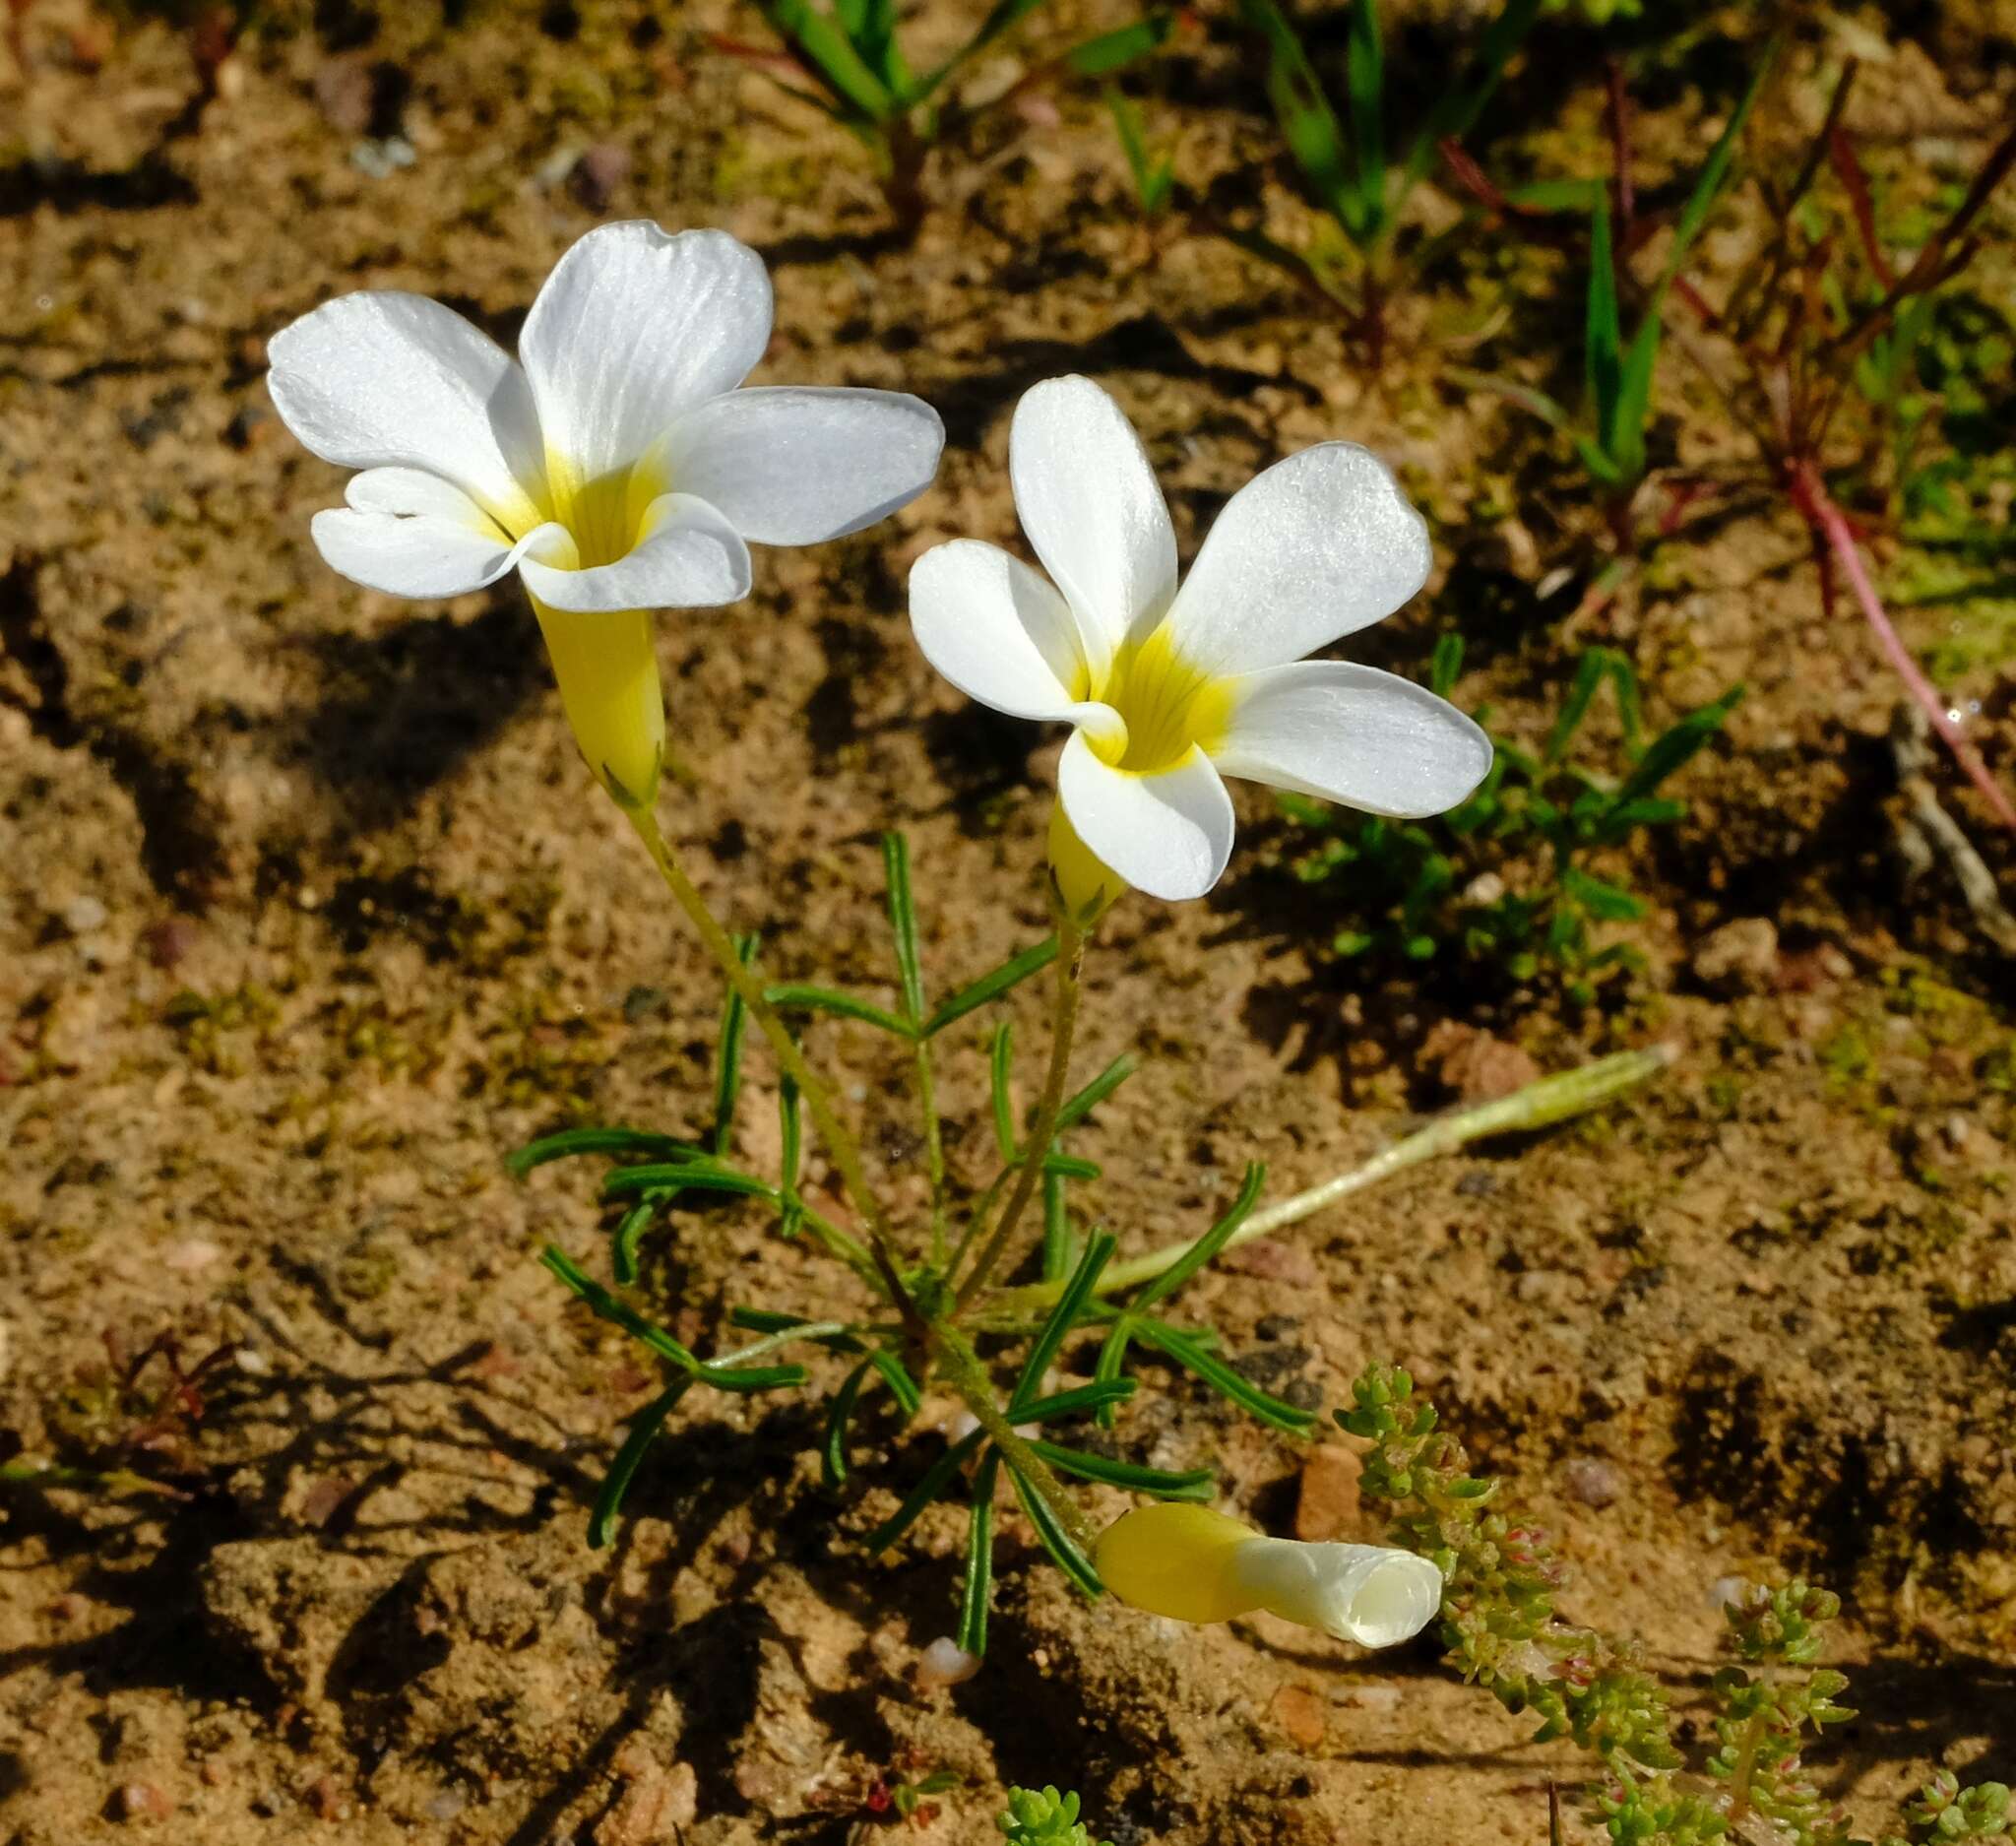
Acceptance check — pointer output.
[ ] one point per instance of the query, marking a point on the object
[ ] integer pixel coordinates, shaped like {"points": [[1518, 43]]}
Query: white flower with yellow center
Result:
{"points": [[1171, 690], [1195, 1565], [615, 463]]}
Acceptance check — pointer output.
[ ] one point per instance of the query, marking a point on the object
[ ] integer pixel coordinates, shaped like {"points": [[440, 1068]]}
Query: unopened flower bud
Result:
{"points": [[1195, 1564]]}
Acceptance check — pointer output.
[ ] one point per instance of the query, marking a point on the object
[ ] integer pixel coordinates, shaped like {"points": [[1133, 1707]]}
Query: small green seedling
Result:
{"points": [[850, 65], [1048, 1818], [1504, 880], [1345, 163]]}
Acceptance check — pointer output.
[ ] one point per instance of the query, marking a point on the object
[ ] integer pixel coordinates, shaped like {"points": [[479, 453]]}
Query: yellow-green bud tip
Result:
{"points": [[1087, 885]]}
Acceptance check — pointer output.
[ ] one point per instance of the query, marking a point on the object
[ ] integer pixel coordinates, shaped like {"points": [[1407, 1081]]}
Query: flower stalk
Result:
{"points": [[749, 984], [1071, 944]]}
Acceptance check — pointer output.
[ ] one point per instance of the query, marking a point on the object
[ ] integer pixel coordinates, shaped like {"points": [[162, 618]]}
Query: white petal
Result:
{"points": [[793, 465], [410, 533], [389, 379], [1352, 733], [1168, 833], [1372, 1594], [690, 558], [1000, 634], [1318, 547], [634, 327], [1088, 501]]}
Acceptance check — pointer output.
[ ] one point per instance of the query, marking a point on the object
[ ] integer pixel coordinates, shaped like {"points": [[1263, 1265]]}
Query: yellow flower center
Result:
{"points": [[1171, 706], [605, 516]]}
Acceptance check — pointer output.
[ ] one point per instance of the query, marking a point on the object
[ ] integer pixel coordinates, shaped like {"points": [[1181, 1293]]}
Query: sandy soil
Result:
{"points": [[310, 917]]}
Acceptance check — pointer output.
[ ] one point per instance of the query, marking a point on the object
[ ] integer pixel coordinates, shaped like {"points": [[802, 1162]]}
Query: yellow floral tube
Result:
{"points": [[607, 669], [1086, 883], [1195, 1564]]}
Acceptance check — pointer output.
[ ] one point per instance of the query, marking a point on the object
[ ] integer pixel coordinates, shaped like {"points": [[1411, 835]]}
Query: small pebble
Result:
{"points": [[1592, 1481], [83, 915], [946, 1663], [145, 1800]]}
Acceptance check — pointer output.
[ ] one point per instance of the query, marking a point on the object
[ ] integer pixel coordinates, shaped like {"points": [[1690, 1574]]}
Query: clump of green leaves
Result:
{"points": [[849, 64], [929, 1309], [1505, 880], [1346, 167], [1769, 1702], [1621, 361], [1048, 1818]]}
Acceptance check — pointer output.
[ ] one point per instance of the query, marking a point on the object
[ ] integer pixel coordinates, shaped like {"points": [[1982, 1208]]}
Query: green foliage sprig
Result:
{"points": [[655, 1179], [848, 63], [1345, 164], [1420, 889], [1499, 1621], [1048, 1818]]}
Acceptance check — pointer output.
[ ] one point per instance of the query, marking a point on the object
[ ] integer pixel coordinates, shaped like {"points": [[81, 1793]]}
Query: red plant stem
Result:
{"points": [[1812, 500]]}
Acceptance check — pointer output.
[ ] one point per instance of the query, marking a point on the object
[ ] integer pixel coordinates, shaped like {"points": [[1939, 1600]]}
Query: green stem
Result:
{"points": [[1036, 1150], [1538, 1104], [969, 1378], [746, 981]]}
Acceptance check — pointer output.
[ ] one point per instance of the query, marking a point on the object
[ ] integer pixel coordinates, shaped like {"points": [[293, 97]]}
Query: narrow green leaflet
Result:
{"points": [[1190, 1352], [1077, 1107], [1209, 1245], [938, 1478], [644, 1428], [833, 1464], [1069, 1310], [621, 1315], [728, 1058], [1112, 53], [990, 986], [617, 1141], [791, 1215], [795, 997], [978, 1592], [1056, 1541], [902, 924], [1195, 1483]]}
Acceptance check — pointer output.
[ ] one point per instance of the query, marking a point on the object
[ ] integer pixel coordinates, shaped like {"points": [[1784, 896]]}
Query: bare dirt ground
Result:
{"points": [[310, 917]]}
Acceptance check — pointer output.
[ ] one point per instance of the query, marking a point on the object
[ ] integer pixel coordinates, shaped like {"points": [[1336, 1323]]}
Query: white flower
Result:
{"points": [[1169, 690], [1195, 1565], [613, 463]]}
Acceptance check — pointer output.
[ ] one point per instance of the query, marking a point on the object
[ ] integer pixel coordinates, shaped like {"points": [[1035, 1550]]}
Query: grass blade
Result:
{"points": [[1365, 80], [791, 1133], [1112, 53], [1603, 335], [828, 56], [1308, 124], [1456, 114]]}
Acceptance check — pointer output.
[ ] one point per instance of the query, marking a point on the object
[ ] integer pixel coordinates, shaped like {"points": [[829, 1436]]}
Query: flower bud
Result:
{"points": [[1198, 1566], [607, 665]]}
